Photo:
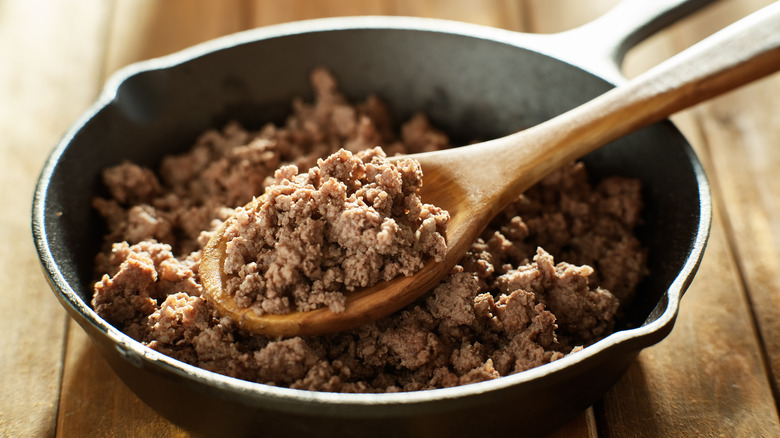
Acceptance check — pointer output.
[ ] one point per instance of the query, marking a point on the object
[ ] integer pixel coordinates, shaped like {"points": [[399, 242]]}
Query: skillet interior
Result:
{"points": [[472, 88]]}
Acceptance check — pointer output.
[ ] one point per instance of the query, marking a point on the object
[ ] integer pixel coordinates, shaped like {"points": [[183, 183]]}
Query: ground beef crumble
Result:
{"points": [[547, 277], [351, 221]]}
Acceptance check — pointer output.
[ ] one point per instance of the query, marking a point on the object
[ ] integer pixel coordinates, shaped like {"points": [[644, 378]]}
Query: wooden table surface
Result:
{"points": [[717, 374]]}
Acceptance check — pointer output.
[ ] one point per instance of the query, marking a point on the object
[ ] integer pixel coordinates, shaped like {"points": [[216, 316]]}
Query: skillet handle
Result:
{"points": [[601, 45]]}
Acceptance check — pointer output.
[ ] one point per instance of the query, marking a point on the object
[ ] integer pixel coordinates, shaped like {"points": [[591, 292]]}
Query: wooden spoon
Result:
{"points": [[475, 182]]}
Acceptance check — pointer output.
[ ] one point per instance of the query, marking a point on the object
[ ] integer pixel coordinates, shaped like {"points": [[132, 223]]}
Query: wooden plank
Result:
{"points": [[549, 16], [707, 377], [265, 12], [506, 14], [498, 13], [95, 402], [582, 426], [144, 29], [50, 54]]}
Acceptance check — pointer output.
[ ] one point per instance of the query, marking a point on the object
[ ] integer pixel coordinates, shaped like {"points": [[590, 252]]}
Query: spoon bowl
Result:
{"points": [[473, 183]]}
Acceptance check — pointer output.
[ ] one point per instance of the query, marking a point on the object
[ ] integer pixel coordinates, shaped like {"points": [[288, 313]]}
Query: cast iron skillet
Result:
{"points": [[474, 83]]}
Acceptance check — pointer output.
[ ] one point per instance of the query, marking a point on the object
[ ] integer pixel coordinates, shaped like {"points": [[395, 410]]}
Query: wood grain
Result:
{"points": [[549, 16], [742, 142], [499, 13], [715, 375], [95, 403], [707, 377], [144, 29], [49, 74]]}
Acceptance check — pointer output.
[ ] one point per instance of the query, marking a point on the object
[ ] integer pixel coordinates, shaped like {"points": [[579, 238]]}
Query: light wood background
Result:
{"points": [[717, 374]]}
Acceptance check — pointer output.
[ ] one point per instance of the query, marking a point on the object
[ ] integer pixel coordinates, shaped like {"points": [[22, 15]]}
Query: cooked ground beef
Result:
{"points": [[350, 222], [506, 307]]}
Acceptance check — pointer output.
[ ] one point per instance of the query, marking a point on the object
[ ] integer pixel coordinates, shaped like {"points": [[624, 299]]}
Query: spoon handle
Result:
{"points": [[745, 51]]}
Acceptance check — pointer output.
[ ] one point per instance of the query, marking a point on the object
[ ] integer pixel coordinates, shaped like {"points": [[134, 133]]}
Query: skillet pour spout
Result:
{"points": [[147, 111]]}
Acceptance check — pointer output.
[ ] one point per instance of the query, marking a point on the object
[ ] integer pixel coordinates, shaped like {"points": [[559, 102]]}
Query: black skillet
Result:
{"points": [[475, 83]]}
